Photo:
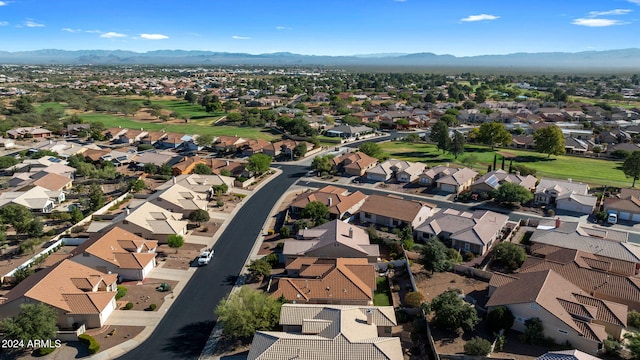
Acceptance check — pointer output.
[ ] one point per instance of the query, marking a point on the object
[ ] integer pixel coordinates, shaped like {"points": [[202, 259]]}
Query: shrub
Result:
{"points": [[272, 259], [524, 170], [468, 256], [87, 339], [477, 346], [501, 341], [45, 350], [151, 307], [408, 244], [129, 306], [500, 318], [633, 319], [413, 299], [122, 291], [551, 213], [285, 231], [219, 203]]}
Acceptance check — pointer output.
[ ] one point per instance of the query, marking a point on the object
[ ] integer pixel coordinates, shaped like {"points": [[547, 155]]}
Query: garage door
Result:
{"points": [[635, 218], [448, 188], [624, 215]]}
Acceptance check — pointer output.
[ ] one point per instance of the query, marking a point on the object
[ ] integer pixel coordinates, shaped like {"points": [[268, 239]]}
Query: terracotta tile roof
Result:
{"points": [[88, 303], [405, 210], [585, 259], [336, 333], [95, 155], [560, 297], [188, 162], [54, 285], [356, 160], [335, 280], [121, 248], [337, 199]]}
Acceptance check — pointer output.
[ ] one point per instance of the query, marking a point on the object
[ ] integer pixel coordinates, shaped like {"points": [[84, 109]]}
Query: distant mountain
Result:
{"points": [[624, 59]]}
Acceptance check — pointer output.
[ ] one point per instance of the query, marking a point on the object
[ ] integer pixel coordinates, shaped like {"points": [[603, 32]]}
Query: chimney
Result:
{"points": [[369, 316], [329, 201], [174, 180], [351, 232], [127, 210], [557, 223]]}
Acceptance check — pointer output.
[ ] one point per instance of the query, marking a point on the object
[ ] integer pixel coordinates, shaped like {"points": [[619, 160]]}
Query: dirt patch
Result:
{"points": [[143, 293], [183, 259], [207, 229], [507, 154], [433, 285], [112, 335]]}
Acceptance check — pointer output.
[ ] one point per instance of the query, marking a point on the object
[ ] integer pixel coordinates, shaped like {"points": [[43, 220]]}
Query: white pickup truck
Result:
{"points": [[205, 257]]}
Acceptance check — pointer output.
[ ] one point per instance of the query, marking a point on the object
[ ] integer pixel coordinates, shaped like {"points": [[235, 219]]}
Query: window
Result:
{"points": [[563, 331]]}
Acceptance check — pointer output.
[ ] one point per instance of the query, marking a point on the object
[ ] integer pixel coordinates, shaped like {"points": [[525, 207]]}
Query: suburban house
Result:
{"points": [[229, 143], [130, 136], [95, 155], [332, 240], [79, 294], [348, 131], [186, 165], [76, 129], [601, 277], [28, 132], [155, 157], [626, 205], [335, 331], [386, 170], [201, 184], [254, 146], [354, 164], [578, 236], [178, 199], [36, 198], [394, 212], [170, 141], [235, 168], [568, 314], [340, 202], [49, 181], [276, 148], [448, 179], [152, 137], [340, 281], [114, 133], [566, 195], [153, 222], [118, 251], [493, 179], [473, 232]]}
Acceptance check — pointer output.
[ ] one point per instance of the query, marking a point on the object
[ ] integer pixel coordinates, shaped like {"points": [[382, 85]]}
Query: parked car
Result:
{"points": [[205, 257], [612, 218]]}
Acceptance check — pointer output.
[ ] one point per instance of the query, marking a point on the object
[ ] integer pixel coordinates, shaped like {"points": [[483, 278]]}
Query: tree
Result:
{"points": [[633, 319], [534, 331], [259, 163], [452, 313], [201, 169], [435, 257], [413, 299], [35, 321], [316, 211], [259, 268], [549, 140], [477, 346], [18, 216], [96, 197], [509, 254], [631, 167], [204, 140], [322, 163], [7, 161], [449, 119], [499, 318], [220, 189], [633, 344], [136, 185], [511, 193], [76, 215], [36, 228], [249, 310], [199, 216], [370, 148], [300, 150], [457, 144], [175, 241], [493, 134], [440, 135], [189, 96]]}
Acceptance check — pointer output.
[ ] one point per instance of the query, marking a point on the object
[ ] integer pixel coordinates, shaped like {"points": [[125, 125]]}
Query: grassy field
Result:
{"points": [[382, 295], [193, 127], [595, 172], [627, 104], [184, 109], [54, 105]]}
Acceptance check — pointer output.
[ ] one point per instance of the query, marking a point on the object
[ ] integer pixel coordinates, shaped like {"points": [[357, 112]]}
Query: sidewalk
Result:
{"points": [[151, 319]]}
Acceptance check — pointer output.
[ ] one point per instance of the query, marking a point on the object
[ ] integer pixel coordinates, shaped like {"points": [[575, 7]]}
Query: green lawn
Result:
{"points": [[193, 127], [596, 172], [54, 105], [185, 109], [382, 295]]}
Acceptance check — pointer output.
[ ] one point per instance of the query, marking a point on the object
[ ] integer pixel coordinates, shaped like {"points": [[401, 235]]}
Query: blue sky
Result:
{"points": [[329, 27]]}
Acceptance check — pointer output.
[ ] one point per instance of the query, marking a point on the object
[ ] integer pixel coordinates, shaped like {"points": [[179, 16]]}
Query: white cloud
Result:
{"points": [[112, 35], [4, 23], [597, 22], [481, 17], [70, 30], [3, 3], [609, 12], [153, 36], [283, 28], [637, 2], [32, 24], [240, 37]]}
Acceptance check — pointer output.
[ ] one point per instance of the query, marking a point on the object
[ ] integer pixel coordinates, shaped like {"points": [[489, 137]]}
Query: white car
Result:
{"points": [[205, 257]]}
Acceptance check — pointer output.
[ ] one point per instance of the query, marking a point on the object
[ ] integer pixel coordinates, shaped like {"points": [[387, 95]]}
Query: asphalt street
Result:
{"points": [[184, 330]]}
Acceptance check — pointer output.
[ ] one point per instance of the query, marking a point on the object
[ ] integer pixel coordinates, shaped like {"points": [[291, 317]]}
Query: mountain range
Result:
{"points": [[623, 59]]}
